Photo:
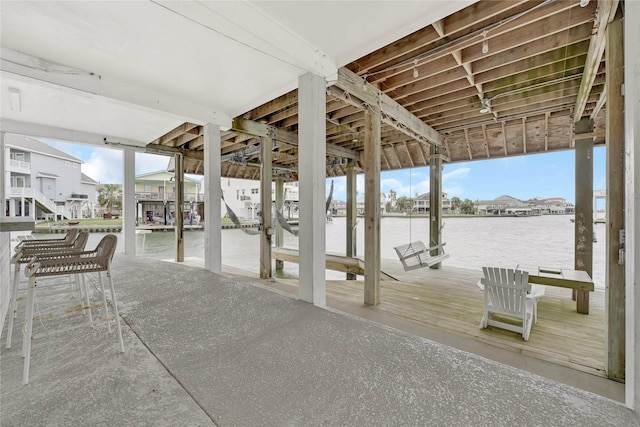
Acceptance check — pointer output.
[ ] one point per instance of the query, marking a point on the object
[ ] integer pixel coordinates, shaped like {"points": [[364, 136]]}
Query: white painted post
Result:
{"points": [[212, 203], [280, 208], [312, 175], [632, 201], [3, 156], [129, 202]]}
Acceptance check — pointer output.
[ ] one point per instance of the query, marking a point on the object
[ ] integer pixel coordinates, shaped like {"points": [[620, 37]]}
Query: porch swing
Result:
{"points": [[415, 254]]}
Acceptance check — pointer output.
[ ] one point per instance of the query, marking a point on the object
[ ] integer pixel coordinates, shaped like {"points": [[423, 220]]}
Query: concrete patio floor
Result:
{"points": [[202, 349]]}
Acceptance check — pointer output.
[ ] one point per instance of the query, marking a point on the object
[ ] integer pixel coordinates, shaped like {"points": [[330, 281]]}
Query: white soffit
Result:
{"points": [[140, 68], [348, 30]]}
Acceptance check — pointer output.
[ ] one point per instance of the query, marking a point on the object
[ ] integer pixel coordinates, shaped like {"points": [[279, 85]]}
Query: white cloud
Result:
{"points": [[453, 191], [104, 165], [150, 163], [456, 174]]}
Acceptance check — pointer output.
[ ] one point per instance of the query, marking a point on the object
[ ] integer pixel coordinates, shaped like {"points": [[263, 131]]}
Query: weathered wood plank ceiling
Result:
{"points": [[538, 66]]}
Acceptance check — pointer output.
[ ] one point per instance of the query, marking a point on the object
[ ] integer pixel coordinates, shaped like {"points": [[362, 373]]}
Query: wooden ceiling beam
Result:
{"points": [[507, 37], [174, 133], [533, 68], [524, 135], [466, 137], [164, 150], [546, 131], [392, 113], [606, 13], [558, 90], [518, 53], [441, 48], [504, 139], [271, 107], [268, 131], [486, 141], [601, 102]]}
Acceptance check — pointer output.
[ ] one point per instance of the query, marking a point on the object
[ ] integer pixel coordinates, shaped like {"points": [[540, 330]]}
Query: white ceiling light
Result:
{"points": [[485, 43], [14, 99], [584, 3], [485, 106]]}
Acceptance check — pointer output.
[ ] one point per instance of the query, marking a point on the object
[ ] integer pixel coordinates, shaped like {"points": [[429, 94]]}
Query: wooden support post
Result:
{"points": [[372, 152], [435, 200], [584, 208], [280, 208], [212, 203], [179, 190], [129, 211], [632, 202], [312, 109], [615, 281], [266, 146], [351, 231]]}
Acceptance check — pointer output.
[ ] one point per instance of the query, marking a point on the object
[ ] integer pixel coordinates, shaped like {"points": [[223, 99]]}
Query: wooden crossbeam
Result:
{"points": [[606, 13], [170, 151], [393, 114], [260, 129]]}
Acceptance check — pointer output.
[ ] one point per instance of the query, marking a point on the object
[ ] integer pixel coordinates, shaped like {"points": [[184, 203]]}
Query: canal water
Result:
{"points": [[471, 242]]}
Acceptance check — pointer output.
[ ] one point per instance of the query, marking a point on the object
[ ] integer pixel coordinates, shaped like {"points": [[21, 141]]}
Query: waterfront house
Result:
{"points": [[155, 196], [243, 197], [44, 182], [503, 205], [421, 204], [552, 205]]}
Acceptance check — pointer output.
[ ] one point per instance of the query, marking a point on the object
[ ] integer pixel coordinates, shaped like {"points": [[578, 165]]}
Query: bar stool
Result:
{"points": [[96, 261]]}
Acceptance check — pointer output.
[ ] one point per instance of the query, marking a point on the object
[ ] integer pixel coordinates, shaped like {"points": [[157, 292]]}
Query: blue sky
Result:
{"points": [[523, 177]]}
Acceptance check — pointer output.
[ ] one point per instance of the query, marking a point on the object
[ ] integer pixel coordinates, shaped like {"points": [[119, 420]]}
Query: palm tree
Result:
{"points": [[393, 196], [110, 196]]}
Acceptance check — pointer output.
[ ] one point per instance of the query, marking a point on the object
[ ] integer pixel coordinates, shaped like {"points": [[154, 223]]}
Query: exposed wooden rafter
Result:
{"points": [[605, 14]]}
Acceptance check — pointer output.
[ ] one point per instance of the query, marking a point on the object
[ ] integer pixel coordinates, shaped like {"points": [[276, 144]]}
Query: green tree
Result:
{"points": [[467, 207], [110, 196], [455, 204], [404, 204], [393, 197]]}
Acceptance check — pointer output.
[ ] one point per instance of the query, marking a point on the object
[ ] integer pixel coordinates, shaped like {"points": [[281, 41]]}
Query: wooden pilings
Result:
{"points": [[584, 207], [615, 274]]}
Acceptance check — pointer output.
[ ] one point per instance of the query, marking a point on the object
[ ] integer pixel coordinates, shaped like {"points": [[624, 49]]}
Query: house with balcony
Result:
{"points": [[421, 203], [44, 182], [243, 197], [155, 198]]}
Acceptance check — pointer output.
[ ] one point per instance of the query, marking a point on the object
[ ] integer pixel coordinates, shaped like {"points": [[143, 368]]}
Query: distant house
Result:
{"points": [[422, 204], [503, 205], [383, 204], [552, 205], [155, 197], [243, 197], [339, 208], [45, 182]]}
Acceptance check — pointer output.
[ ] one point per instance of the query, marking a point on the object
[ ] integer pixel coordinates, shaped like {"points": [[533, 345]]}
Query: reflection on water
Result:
{"points": [[472, 243]]}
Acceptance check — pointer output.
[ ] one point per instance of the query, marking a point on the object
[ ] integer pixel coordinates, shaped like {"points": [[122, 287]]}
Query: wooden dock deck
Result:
{"points": [[448, 300]]}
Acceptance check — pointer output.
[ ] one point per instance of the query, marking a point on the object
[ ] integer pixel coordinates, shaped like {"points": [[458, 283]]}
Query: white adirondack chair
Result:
{"points": [[505, 293]]}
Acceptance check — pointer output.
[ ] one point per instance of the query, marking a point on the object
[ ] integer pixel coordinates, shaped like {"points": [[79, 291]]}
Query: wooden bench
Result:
{"points": [[416, 255]]}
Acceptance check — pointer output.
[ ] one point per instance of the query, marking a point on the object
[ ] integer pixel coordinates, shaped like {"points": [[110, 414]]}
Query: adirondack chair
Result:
{"points": [[505, 294], [416, 255]]}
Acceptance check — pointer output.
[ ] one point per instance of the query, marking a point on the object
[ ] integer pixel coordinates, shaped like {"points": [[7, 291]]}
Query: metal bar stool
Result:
{"points": [[96, 261], [24, 255]]}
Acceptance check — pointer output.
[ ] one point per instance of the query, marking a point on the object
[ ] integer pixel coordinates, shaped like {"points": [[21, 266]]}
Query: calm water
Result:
{"points": [[471, 242]]}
